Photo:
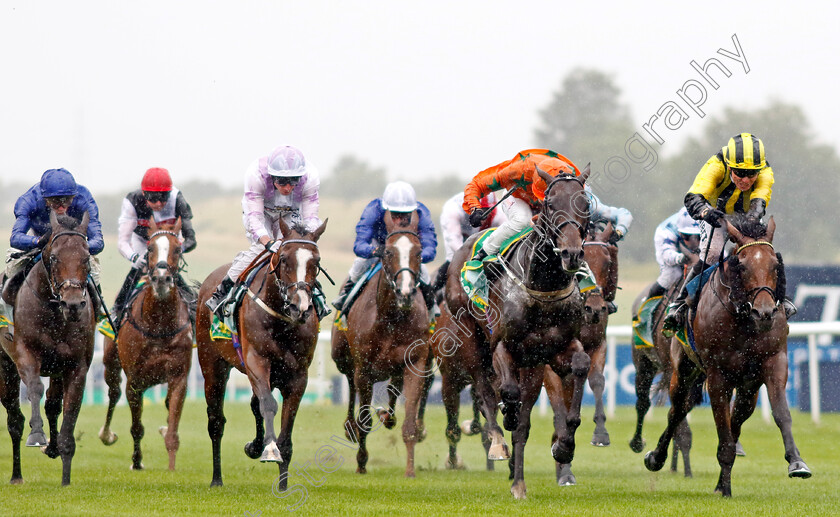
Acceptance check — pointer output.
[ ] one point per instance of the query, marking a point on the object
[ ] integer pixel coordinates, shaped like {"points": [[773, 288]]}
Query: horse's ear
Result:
{"points": [[153, 227], [284, 228], [177, 227], [415, 220], [546, 177], [734, 235], [771, 229], [604, 236], [584, 175], [389, 224], [84, 224], [320, 230], [54, 220]]}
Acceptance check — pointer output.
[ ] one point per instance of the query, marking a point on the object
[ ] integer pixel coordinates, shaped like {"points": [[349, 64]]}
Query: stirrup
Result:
{"points": [[675, 319], [612, 308], [790, 308]]}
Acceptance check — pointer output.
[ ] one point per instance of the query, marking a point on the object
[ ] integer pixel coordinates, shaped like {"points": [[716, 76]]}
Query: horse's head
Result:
{"points": [[66, 260], [163, 256], [401, 256], [565, 216], [295, 266], [753, 270], [597, 255]]}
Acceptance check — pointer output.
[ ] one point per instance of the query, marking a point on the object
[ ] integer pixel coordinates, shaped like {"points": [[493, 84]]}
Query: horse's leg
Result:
{"points": [[428, 381], [531, 382], [682, 444], [413, 391], [388, 415], [681, 380], [29, 368], [600, 437], [10, 398], [645, 372], [720, 393], [259, 372], [363, 424], [74, 388], [113, 378], [52, 408], [350, 427], [555, 392], [451, 394], [509, 390], [498, 450], [176, 393], [775, 378], [253, 449], [134, 394], [477, 428], [563, 449], [216, 372], [292, 394]]}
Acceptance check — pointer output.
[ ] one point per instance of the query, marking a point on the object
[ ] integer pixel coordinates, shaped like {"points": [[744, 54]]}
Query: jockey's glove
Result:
{"points": [[138, 261], [476, 217], [757, 207], [713, 216], [615, 236], [44, 240]]}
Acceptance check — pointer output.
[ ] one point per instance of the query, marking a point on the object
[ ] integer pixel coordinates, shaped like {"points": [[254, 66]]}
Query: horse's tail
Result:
{"points": [[695, 393]]}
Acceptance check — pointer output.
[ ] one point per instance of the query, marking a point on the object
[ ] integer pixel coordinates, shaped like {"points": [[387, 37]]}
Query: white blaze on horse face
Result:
{"points": [[404, 246], [303, 257], [162, 244]]}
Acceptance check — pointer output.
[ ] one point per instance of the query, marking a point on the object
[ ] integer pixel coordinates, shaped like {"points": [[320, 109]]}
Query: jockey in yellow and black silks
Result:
{"points": [[738, 179]]}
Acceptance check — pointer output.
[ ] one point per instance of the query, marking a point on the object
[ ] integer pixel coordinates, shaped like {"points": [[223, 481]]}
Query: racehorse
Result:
{"points": [[53, 337], [740, 333], [653, 360], [534, 319], [154, 347], [599, 256], [278, 331], [387, 338]]}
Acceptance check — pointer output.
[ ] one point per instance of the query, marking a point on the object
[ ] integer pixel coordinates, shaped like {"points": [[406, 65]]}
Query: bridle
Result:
{"points": [[55, 290], [391, 279], [752, 294], [161, 264], [546, 209], [283, 288]]}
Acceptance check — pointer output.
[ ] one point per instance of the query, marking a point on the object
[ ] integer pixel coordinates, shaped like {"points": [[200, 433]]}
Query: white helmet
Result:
{"points": [[686, 225], [399, 196], [286, 161]]}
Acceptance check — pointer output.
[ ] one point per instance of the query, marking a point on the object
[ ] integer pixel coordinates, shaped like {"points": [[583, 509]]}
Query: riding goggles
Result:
{"points": [[744, 173], [57, 201], [156, 197], [286, 180]]}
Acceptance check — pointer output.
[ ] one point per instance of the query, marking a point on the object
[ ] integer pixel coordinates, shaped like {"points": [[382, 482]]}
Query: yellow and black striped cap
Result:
{"points": [[744, 151]]}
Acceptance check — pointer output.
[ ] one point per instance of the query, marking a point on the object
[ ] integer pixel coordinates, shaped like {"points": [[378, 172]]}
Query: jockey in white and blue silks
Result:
{"points": [[57, 191], [281, 185], [621, 219], [400, 200], [673, 237]]}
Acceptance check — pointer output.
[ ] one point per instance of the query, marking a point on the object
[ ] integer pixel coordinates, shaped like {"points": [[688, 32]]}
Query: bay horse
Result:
{"points": [[278, 331], [53, 337], [154, 347], [661, 358], [599, 256], [534, 319], [740, 334], [387, 338]]}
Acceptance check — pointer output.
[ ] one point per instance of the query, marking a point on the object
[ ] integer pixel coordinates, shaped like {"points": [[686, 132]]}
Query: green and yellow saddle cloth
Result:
{"points": [[104, 327], [475, 281]]}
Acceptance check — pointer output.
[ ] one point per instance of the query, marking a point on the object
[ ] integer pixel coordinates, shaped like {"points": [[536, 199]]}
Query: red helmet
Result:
{"points": [[156, 179]]}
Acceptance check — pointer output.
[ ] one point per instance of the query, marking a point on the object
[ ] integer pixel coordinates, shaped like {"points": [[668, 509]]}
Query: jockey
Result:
{"points": [[527, 192], [57, 191], [675, 239], [397, 202], [156, 199], [281, 185], [456, 228], [737, 179]]}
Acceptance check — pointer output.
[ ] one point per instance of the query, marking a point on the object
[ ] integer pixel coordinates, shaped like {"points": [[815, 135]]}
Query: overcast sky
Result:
{"points": [[110, 88]]}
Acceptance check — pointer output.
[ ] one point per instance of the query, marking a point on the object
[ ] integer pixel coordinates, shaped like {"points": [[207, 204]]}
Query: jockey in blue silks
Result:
{"points": [[399, 200]]}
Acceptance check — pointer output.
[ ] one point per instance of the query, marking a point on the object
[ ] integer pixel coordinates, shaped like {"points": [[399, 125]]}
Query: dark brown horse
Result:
{"points": [[661, 358], [741, 343], [54, 338], [534, 319], [154, 347], [10, 398], [278, 331], [387, 338], [599, 256]]}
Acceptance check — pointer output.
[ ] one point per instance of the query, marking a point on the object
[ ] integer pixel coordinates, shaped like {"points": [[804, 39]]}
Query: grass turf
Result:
{"points": [[611, 481]]}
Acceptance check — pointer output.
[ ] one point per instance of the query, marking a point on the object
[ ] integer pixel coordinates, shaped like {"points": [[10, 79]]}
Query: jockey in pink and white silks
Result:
{"points": [[281, 185]]}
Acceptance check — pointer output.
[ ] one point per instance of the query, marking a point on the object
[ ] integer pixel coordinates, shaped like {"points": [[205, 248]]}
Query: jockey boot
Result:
{"points": [[189, 295], [219, 296], [122, 297], [480, 255], [348, 286], [428, 295], [678, 308], [781, 290], [656, 290], [320, 301], [440, 278]]}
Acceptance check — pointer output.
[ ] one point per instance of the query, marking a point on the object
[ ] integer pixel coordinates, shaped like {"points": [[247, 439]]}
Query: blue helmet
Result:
{"points": [[58, 182]]}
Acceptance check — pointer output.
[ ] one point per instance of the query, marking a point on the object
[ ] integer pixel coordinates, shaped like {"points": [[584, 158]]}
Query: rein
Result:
{"points": [[155, 335], [541, 296], [392, 278], [282, 287], [55, 290]]}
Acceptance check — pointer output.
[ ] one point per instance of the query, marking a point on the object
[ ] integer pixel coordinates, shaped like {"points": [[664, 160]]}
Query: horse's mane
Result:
{"points": [[300, 229], [748, 226], [67, 221]]}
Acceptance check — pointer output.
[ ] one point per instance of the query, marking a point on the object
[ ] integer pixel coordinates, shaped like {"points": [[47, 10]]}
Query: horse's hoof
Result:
{"points": [[567, 480], [600, 440], [637, 446], [252, 450], [385, 416], [410, 474], [50, 451], [216, 482], [361, 470], [518, 490], [16, 481], [739, 449], [109, 438], [36, 440], [271, 453], [467, 428], [798, 469], [137, 467], [562, 454], [421, 432], [651, 464], [455, 464], [162, 430], [498, 452]]}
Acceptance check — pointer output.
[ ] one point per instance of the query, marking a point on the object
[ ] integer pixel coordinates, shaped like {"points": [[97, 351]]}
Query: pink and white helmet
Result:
{"points": [[286, 161]]}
